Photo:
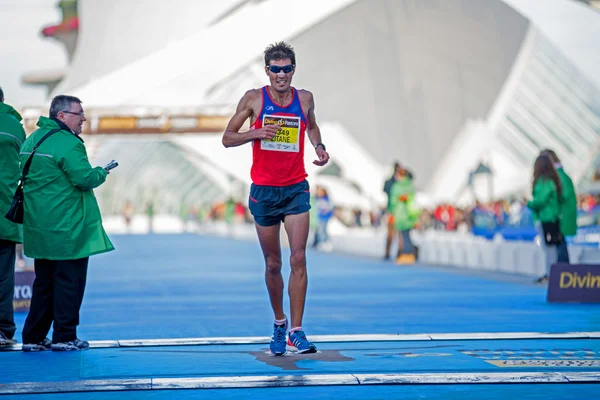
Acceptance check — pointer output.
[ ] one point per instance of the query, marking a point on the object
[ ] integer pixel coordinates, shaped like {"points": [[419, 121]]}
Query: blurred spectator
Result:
{"points": [[229, 211], [375, 218], [546, 191], [191, 218], [239, 213], [586, 202], [444, 216], [500, 212], [391, 230], [127, 213], [150, 214], [514, 212], [568, 207], [425, 220], [405, 214], [324, 212], [357, 217]]}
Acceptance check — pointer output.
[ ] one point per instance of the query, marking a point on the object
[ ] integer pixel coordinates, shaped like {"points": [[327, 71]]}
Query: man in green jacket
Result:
{"points": [[391, 230], [406, 215], [12, 137], [568, 207], [62, 226]]}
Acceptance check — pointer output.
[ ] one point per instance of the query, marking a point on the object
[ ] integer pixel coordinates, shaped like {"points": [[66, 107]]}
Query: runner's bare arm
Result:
{"points": [[232, 136], [312, 129]]}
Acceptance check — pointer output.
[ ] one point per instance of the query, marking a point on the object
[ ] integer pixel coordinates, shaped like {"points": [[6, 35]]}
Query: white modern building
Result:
{"points": [[440, 85]]}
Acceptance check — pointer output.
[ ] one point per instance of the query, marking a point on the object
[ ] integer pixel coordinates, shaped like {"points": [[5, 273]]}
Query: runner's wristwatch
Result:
{"points": [[322, 145]]}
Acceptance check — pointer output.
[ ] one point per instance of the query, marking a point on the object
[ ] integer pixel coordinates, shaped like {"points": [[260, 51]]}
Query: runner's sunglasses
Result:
{"points": [[277, 69]]}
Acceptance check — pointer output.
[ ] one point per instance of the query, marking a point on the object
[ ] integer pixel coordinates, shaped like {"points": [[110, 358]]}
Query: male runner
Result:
{"points": [[279, 116]]}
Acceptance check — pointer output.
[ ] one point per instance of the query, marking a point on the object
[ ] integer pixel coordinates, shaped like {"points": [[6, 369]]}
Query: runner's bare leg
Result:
{"points": [[268, 236], [296, 226]]}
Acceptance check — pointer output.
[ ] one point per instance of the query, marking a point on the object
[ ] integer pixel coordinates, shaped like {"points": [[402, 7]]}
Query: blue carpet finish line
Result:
{"points": [[347, 364], [182, 286], [471, 362]]}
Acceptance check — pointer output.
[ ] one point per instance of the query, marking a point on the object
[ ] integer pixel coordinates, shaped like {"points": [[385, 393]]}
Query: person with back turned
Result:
{"points": [[568, 207], [545, 206]]}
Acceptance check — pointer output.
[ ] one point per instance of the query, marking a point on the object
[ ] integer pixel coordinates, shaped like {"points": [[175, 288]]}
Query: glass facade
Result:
{"points": [[158, 172], [554, 106]]}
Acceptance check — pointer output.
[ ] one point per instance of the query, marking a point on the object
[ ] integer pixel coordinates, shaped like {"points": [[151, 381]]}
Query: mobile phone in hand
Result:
{"points": [[111, 165]]}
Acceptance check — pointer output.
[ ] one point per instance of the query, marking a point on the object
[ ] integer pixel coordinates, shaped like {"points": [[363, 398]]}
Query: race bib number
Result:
{"points": [[288, 134]]}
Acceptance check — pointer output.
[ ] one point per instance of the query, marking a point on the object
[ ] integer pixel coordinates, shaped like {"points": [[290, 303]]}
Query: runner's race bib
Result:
{"points": [[287, 137]]}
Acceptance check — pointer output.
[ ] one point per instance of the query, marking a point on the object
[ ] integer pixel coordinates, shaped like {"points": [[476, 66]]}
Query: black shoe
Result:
{"points": [[5, 341], [44, 345], [71, 346], [543, 279]]}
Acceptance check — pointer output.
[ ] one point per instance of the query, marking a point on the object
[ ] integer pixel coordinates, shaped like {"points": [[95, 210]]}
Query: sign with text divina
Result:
{"points": [[571, 283], [23, 290]]}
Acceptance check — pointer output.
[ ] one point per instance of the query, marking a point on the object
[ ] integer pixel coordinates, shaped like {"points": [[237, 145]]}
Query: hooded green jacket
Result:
{"points": [[12, 136], [568, 205], [545, 203], [62, 219]]}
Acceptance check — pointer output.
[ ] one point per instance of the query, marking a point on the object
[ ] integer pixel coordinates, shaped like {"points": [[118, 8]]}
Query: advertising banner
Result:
{"points": [[570, 283], [23, 290]]}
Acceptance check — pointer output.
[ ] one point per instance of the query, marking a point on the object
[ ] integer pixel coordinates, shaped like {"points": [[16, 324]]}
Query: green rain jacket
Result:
{"points": [[568, 205], [12, 136], [545, 205], [402, 196], [62, 219]]}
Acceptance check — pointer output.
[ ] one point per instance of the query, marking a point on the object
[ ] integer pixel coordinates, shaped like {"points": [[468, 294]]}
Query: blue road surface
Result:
{"points": [[189, 286], [175, 286]]}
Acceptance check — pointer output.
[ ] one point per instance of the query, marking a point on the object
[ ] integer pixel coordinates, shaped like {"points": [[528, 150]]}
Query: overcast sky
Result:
{"points": [[574, 28]]}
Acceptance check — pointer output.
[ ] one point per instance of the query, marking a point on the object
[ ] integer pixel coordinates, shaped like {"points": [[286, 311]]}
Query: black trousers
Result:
{"points": [[57, 295], [7, 287]]}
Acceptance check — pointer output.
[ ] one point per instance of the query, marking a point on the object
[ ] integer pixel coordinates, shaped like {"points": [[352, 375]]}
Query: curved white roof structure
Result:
{"points": [[115, 33], [440, 85], [178, 73]]}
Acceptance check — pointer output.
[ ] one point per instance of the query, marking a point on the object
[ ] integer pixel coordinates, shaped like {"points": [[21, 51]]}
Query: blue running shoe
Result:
{"points": [[298, 340], [278, 342]]}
